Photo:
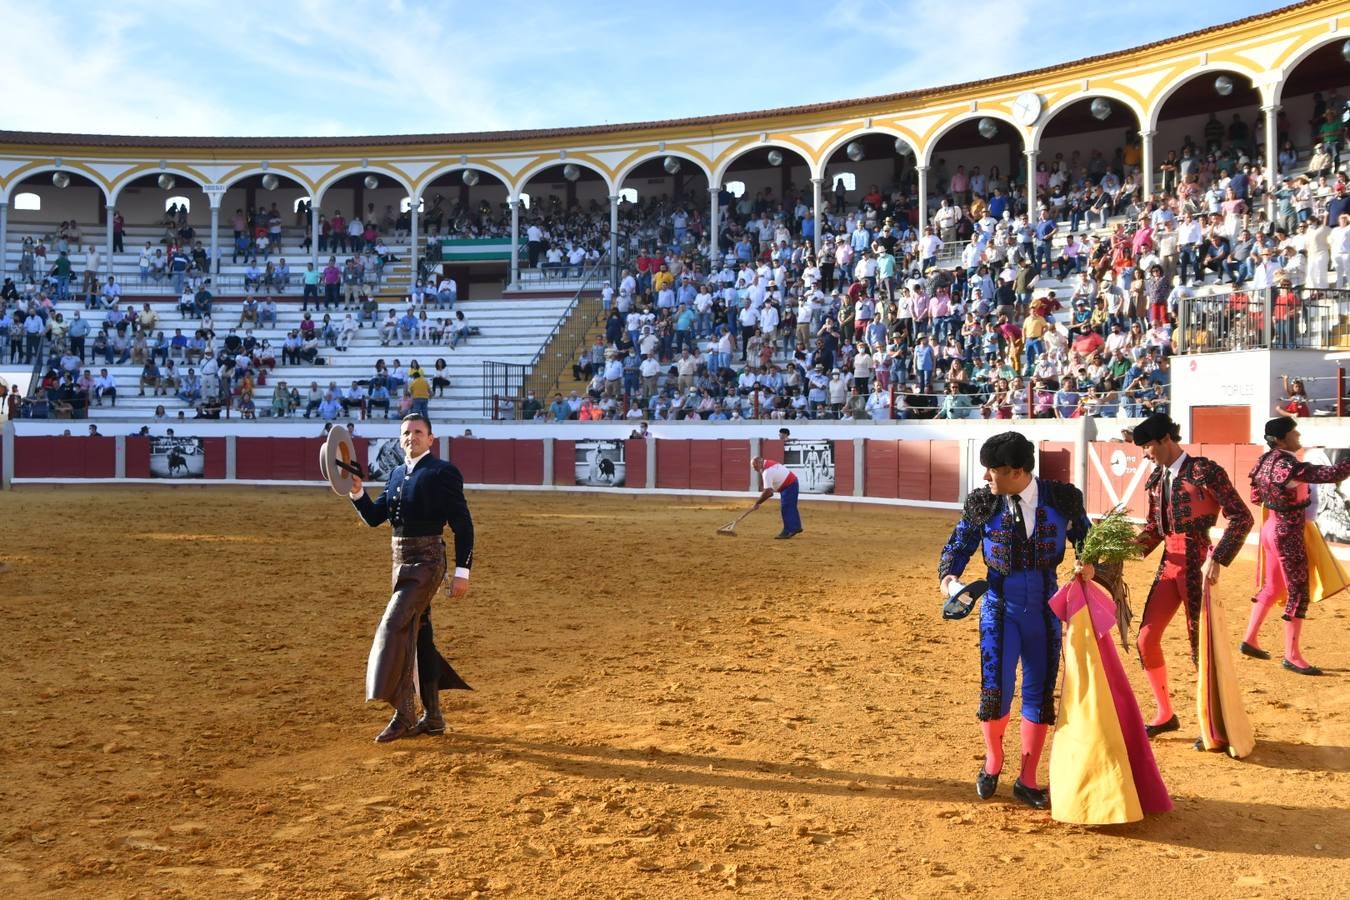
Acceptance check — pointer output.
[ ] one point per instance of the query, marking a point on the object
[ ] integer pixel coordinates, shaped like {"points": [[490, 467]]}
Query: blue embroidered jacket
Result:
{"points": [[987, 523]]}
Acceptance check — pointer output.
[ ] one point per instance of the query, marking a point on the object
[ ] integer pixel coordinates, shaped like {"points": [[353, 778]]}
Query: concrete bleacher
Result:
{"points": [[511, 331], [229, 278]]}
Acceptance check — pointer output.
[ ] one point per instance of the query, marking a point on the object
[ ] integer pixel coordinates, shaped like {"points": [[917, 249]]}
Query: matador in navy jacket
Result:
{"points": [[1022, 524], [421, 497]]}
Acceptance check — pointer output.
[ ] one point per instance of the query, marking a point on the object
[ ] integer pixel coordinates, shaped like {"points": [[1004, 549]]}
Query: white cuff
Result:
{"points": [[461, 572]]}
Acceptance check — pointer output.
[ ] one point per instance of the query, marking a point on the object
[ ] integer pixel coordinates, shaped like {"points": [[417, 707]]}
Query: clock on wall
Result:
{"points": [[1026, 108]]}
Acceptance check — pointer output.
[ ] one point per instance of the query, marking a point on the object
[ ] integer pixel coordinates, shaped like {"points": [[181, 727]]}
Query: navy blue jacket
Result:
{"points": [[422, 504]]}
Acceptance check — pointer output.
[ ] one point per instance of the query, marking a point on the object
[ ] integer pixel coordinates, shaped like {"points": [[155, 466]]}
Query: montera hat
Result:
{"points": [[1008, 449], [1155, 428], [1278, 429]]}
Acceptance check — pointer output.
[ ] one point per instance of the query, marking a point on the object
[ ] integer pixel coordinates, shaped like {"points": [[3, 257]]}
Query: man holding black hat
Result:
{"points": [[421, 497], [1185, 495], [1290, 544], [1023, 524]]}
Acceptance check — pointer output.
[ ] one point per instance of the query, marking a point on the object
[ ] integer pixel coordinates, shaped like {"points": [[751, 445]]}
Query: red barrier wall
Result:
{"points": [[736, 466], [138, 457], [282, 459], [565, 466], [881, 468], [844, 476], [1056, 460], [910, 470], [42, 456], [945, 462], [214, 464], [672, 465], [635, 459], [467, 455]]}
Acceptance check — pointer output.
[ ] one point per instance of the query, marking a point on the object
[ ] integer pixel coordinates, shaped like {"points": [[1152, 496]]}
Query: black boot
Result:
{"points": [[404, 722], [432, 722]]}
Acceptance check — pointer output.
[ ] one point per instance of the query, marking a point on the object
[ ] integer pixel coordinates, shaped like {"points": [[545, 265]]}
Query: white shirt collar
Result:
{"points": [[1175, 467], [1030, 496], [410, 462]]}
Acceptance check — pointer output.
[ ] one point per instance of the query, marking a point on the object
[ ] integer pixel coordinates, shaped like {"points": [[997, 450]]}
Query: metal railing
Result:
{"points": [[503, 385], [1299, 318], [569, 334]]}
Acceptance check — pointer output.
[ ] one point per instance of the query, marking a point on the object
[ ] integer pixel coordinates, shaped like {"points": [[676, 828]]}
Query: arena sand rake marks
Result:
{"points": [[729, 529]]}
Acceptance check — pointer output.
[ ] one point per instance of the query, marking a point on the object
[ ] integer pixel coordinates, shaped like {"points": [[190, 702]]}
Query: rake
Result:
{"points": [[729, 529]]}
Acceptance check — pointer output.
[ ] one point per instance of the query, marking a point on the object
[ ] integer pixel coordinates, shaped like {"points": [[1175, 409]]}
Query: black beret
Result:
{"points": [[1155, 428], [1279, 428], [1008, 449]]}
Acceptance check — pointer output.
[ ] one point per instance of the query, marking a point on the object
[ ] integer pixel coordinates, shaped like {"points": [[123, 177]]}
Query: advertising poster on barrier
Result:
{"points": [[382, 457], [1333, 500], [177, 457], [600, 463], [813, 464]]}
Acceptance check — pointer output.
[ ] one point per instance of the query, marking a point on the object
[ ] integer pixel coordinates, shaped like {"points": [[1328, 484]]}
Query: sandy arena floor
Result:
{"points": [[660, 713]]}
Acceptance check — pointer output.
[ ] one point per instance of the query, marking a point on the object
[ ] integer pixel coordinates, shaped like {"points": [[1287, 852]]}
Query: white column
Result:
{"points": [[414, 251], [817, 208], [515, 242], [1146, 162], [213, 260], [1272, 112], [314, 230], [1032, 155], [4, 235], [714, 226], [922, 172], [107, 241], [613, 238]]}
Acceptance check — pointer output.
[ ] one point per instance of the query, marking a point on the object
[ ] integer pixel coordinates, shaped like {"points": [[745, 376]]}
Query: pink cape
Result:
{"points": [[1102, 769]]}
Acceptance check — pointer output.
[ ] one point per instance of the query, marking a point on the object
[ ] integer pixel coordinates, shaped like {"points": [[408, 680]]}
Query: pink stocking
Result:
{"points": [[993, 744], [1293, 629], [1033, 742], [1157, 679], [1260, 609]]}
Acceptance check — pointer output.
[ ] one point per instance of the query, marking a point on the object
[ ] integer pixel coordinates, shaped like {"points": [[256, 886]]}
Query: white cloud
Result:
{"points": [[203, 67]]}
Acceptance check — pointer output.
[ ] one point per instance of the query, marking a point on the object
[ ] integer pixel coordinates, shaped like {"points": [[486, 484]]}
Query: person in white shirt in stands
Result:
{"points": [[105, 385], [1339, 244], [447, 293], [554, 262], [774, 476], [534, 237], [575, 259]]}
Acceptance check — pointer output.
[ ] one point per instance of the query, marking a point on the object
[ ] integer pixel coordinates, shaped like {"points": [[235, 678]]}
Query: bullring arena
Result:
{"points": [[659, 710]]}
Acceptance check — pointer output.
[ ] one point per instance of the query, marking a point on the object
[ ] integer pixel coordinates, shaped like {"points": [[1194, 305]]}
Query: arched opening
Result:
{"points": [[464, 225], [1306, 106], [301, 204], [872, 171], [524, 199], [62, 195], [984, 153], [176, 203], [672, 213], [1205, 132], [566, 218], [1092, 151], [628, 195], [734, 188], [466, 204], [770, 209]]}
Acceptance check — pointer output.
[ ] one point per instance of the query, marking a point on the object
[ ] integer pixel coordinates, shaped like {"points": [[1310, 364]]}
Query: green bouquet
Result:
{"points": [[1107, 545]]}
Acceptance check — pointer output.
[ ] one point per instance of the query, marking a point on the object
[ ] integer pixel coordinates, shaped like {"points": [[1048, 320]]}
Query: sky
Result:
{"points": [[313, 68]]}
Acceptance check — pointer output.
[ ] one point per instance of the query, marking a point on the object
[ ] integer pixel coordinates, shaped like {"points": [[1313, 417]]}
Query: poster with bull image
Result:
{"points": [[1333, 500], [177, 457], [382, 457], [600, 463], [813, 464]]}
